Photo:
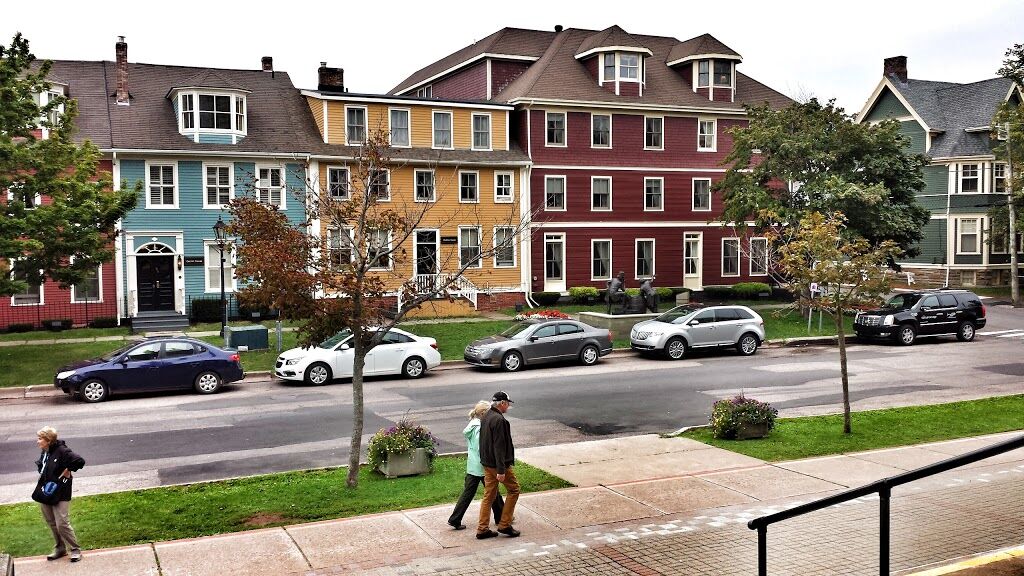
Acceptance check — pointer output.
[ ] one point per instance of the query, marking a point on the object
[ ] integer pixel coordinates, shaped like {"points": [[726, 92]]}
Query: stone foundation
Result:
{"points": [[926, 278]]}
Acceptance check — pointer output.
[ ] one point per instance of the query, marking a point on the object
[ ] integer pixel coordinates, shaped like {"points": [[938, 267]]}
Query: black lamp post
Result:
{"points": [[218, 231]]}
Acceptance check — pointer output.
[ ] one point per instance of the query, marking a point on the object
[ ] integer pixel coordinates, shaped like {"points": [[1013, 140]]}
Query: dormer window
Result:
{"points": [[629, 66], [213, 116], [723, 73], [621, 66], [704, 73], [609, 66], [214, 112]]}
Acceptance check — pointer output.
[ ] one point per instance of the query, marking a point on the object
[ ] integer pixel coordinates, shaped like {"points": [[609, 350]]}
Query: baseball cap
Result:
{"points": [[501, 397]]}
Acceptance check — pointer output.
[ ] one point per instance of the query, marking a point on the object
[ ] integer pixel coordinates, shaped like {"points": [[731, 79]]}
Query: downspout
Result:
{"points": [[529, 154], [949, 194]]}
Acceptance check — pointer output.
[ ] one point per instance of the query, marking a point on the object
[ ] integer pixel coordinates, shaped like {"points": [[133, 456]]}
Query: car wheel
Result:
{"points": [[512, 361], [747, 344], [675, 348], [207, 382], [318, 374], [965, 332], [94, 391], [906, 334], [589, 355], [414, 367]]}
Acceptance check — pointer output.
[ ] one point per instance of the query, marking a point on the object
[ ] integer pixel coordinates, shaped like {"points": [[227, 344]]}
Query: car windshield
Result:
{"points": [[676, 315], [111, 355], [336, 339], [517, 330], [902, 301]]}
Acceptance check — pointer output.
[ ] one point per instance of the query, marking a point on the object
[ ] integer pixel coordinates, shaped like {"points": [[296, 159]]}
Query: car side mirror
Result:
{"points": [[344, 347], [122, 360], [534, 338], [693, 323]]}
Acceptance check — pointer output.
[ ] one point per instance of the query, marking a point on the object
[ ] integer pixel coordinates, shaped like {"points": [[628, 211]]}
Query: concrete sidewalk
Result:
{"points": [[639, 501]]}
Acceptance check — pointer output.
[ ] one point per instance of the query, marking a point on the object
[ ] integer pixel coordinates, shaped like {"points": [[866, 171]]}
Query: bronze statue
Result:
{"points": [[616, 291], [649, 294]]}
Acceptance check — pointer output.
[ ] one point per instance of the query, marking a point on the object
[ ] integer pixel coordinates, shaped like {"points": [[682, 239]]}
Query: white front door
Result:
{"points": [[554, 262], [693, 247]]}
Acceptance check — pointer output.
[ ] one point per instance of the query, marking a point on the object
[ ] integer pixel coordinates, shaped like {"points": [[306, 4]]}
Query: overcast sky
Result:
{"points": [[825, 49]]}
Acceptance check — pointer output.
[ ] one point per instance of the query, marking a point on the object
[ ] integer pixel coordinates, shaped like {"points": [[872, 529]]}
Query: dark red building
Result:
{"points": [[627, 134]]}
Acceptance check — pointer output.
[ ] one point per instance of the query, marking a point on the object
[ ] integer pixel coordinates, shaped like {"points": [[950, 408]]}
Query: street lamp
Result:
{"points": [[219, 233]]}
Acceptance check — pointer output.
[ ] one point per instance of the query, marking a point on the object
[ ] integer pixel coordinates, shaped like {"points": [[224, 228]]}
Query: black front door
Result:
{"points": [[156, 283]]}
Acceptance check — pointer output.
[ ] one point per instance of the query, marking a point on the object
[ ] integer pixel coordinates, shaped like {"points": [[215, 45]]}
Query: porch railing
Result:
{"points": [[456, 285]]}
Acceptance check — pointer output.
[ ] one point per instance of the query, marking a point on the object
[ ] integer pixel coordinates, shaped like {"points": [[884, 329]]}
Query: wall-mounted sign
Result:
{"points": [[194, 261], [449, 239]]}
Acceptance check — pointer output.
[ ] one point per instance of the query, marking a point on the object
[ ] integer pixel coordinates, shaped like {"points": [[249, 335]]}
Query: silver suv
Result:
{"points": [[686, 327]]}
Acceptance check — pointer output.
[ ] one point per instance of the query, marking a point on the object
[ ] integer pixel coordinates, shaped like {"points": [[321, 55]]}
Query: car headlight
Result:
{"points": [[65, 374], [292, 361], [888, 321]]}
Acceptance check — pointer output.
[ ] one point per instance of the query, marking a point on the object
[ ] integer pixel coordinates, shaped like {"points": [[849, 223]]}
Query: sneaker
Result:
{"points": [[56, 554], [510, 532], [457, 526], [486, 535], [76, 555]]}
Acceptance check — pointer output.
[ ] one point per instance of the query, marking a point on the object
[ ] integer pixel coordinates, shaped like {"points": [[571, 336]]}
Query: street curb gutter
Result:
{"points": [[997, 556], [6, 565]]}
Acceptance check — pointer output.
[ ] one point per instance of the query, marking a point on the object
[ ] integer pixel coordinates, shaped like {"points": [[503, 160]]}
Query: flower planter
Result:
{"points": [[747, 430], [411, 463]]}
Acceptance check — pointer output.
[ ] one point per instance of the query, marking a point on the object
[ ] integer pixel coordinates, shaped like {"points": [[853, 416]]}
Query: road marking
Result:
{"points": [[798, 367], [995, 332]]}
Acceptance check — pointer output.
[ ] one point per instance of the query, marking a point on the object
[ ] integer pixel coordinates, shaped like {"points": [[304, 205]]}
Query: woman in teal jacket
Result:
{"points": [[474, 470]]}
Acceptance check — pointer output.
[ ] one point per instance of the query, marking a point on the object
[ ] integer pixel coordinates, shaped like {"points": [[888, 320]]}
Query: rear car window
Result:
{"points": [[743, 314], [947, 300], [968, 299], [178, 349], [726, 315], [396, 338], [569, 329]]}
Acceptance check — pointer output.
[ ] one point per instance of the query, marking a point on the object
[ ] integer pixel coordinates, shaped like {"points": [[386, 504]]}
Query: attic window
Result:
{"points": [[212, 112], [623, 66], [723, 73], [425, 92], [629, 66], [703, 73]]}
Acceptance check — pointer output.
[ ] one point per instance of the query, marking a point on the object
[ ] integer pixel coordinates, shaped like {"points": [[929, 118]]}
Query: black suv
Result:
{"points": [[906, 316]]}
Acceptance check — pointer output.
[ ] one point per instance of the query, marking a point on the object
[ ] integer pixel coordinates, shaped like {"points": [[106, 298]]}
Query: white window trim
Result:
{"points": [[284, 183], [472, 131], [99, 283], [662, 147], [415, 185], [739, 257], [619, 67], [42, 290], [611, 253], [480, 238], [37, 199], [231, 184], [195, 130], [960, 179], [565, 129], [660, 179], [408, 113], [636, 253], [693, 195], [391, 255], [610, 121], [732, 73], [339, 230], [512, 187], [714, 136], [565, 194], [327, 189], [174, 165], [387, 172], [960, 235], [229, 280], [476, 173], [366, 125], [514, 244], [750, 267], [1005, 177], [451, 130], [610, 185], [696, 73]]}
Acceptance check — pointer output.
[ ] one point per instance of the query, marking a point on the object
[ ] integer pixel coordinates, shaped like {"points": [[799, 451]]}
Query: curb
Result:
{"points": [[997, 556]]}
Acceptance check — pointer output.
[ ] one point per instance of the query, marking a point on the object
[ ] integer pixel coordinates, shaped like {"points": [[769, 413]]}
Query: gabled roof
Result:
{"points": [[703, 46], [610, 38], [210, 79]]}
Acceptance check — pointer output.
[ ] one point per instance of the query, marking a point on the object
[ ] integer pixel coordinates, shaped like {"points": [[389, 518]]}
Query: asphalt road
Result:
{"points": [[251, 428]]}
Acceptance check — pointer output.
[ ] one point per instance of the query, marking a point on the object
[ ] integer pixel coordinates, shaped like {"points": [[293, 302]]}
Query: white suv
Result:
{"points": [[686, 327]]}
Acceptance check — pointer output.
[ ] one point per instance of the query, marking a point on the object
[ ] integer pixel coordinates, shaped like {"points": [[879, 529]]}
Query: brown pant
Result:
{"points": [[56, 517], [491, 492]]}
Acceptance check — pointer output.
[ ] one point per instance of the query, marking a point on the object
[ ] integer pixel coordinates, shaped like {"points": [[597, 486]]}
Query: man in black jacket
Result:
{"points": [[497, 455], [56, 463]]}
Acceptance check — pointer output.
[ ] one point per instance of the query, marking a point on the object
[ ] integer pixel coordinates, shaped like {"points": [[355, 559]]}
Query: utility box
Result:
{"points": [[247, 337]]}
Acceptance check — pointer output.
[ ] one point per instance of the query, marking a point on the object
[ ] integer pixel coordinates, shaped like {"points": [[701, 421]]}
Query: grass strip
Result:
{"points": [[157, 514], [795, 438]]}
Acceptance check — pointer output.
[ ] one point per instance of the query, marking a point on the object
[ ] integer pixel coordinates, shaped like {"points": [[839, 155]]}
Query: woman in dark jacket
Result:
{"points": [[55, 464]]}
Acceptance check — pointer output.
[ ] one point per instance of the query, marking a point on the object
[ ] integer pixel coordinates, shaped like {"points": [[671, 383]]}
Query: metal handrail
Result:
{"points": [[884, 489]]}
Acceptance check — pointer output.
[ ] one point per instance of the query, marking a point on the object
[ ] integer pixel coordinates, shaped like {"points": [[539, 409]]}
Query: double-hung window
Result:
{"points": [[399, 123], [218, 186], [338, 183], [188, 110], [32, 295], [161, 188], [17, 191], [645, 258], [270, 186], [703, 73], [999, 178], [758, 256], [730, 256], [339, 246], [967, 236], [355, 125], [609, 67], [555, 129], [503, 192], [600, 259], [504, 247], [654, 194], [213, 268], [601, 193], [701, 194], [89, 289], [554, 193], [706, 135], [481, 131], [239, 113], [469, 247], [654, 132], [970, 181], [425, 186], [425, 92], [723, 73], [378, 249], [442, 129], [601, 130], [215, 111], [379, 184], [629, 66], [469, 187]]}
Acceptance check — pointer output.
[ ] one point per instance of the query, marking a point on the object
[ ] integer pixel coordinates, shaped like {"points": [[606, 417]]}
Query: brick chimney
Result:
{"points": [[331, 79], [268, 63], [896, 66], [121, 51]]}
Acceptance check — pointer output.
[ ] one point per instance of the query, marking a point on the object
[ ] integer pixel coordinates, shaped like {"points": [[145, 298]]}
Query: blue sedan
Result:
{"points": [[156, 364]]}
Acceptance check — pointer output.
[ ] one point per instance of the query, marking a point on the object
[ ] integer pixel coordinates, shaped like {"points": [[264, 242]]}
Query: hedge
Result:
{"points": [[581, 294], [751, 289], [546, 298], [206, 310], [103, 322]]}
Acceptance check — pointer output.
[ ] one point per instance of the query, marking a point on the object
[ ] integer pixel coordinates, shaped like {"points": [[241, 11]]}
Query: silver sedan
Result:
{"points": [[539, 341]]}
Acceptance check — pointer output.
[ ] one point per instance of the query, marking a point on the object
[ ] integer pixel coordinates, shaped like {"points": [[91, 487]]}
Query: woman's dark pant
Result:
{"points": [[468, 492]]}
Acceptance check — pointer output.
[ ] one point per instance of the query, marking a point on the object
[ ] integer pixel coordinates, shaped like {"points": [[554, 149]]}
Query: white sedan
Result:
{"points": [[399, 353]]}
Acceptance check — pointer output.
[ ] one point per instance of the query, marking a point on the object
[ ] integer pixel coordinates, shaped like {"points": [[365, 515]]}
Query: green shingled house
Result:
{"points": [[949, 123]]}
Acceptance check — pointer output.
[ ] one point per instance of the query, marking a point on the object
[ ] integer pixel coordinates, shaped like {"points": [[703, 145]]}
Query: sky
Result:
{"points": [[822, 49]]}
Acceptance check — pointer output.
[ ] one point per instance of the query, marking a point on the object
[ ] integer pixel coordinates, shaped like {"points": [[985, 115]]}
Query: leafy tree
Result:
{"points": [[810, 157], [66, 237], [344, 279], [850, 271], [1008, 146]]}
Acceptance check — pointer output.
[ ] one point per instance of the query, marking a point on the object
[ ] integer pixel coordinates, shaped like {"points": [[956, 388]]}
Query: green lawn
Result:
{"points": [[452, 337], [218, 507], [795, 438], [64, 334], [36, 364], [787, 323]]}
